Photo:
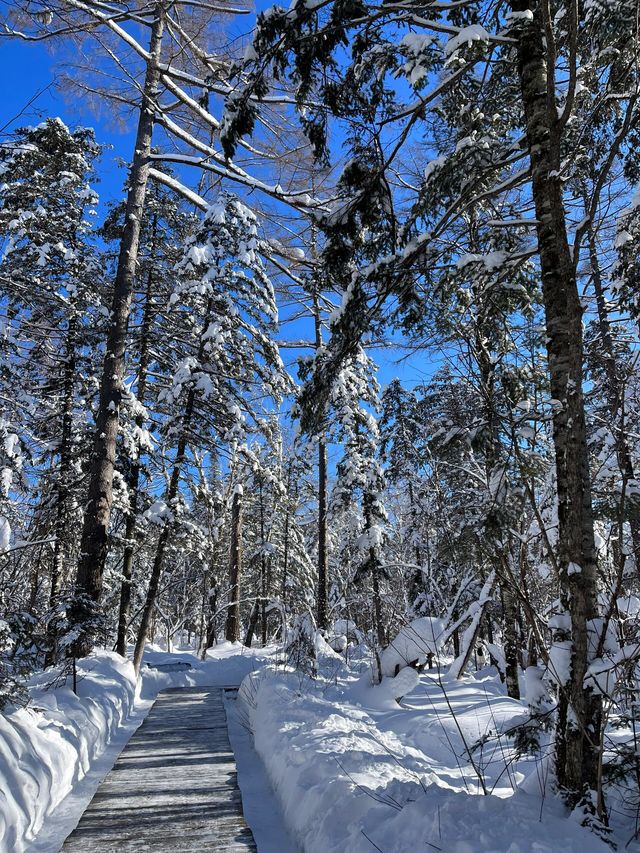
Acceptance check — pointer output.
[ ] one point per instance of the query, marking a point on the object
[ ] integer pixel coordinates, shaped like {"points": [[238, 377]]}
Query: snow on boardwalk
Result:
{"points": [[174, 786]]}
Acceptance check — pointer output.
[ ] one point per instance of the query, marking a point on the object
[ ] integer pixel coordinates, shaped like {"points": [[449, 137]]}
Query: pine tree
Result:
{"points": [[53, 278]]}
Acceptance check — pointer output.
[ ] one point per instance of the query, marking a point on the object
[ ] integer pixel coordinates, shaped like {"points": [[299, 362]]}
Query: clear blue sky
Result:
{"points": [[28, 95]]}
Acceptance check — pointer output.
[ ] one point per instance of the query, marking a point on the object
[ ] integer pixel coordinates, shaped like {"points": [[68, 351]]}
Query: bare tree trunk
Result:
{"points": [[94, 543], [579, 737], [285, 559], [322, 592], [163, 539], [133, 484], [264, 574], [495, 524], [232, 629], [511, 657], [377, 611], [416, 587], [253, 622], [66, 468]]}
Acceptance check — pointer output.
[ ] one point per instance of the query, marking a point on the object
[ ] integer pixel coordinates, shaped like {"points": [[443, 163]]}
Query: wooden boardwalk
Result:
{"points": [[174, 786]]}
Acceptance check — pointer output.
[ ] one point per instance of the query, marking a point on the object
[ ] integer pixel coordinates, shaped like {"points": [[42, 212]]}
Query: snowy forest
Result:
{"points": [[338, 392]]}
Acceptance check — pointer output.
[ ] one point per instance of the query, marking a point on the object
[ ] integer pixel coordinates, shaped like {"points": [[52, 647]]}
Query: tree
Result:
{"points": [[54, 285], [165, 226], [94, 543]]}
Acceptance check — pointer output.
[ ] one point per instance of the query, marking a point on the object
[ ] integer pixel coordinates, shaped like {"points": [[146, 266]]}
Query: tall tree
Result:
{"points": [[95, 531], [52, 282]]}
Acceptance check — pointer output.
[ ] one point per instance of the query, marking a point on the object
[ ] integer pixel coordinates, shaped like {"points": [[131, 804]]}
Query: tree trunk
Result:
{"points": [[285, 559], [232, 628], [163, 539], [253, 622], [94, 543], [377, 610], [171, 495], [416, 585], [133, 483], [264, 573], [322, 593], [510, 608], [578, 765], [66, 459]]}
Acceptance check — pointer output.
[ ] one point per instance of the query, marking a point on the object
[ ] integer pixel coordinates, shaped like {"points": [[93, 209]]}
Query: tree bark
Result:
{"points": [[510, 608], [94, 543], [578, 760], [163, 539], [264, 573], [133, 484], [66, 458], [232, 628], [253, 622], [322, 592]]}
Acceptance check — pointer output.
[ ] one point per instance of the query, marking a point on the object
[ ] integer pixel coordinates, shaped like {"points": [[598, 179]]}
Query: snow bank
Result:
{"points": [[47, 747], [347, 782]]}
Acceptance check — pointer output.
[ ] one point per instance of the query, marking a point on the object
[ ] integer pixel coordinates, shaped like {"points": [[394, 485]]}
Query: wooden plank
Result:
{"points": [[174, 786]]}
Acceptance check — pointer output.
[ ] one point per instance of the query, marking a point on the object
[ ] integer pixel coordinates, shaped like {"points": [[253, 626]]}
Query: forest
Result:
{"points": [[341, 380]]}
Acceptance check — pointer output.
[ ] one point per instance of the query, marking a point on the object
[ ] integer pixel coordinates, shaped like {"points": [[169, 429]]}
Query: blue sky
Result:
{"points": [[27, 74]]}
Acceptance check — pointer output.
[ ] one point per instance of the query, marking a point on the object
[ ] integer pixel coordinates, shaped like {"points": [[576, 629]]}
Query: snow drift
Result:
{"points": [[47, 747], [347, 781]]}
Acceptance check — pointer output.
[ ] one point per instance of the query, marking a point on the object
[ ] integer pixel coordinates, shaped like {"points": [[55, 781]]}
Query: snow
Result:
{"points": [[259, 804], [466, 36], [535, 690], [527, 15], [354, 774], [560, 662], [5, 534], [491, 261], [628, 605], [49, 746], [415, 641], [325, 766], [622, 238], [159, 512]]}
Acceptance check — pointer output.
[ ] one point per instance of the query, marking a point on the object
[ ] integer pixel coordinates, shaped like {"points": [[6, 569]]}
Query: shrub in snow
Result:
{"points": [[72, 626], [301, 647], [350, 780], [415, 645], [629, 606], [528, 733], [338, 642], [24, 642], [344, 631], [347, 627]]}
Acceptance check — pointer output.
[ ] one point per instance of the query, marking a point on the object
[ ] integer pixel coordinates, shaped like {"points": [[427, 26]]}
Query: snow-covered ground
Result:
{"points": [[55, 752], [355, 771]]}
